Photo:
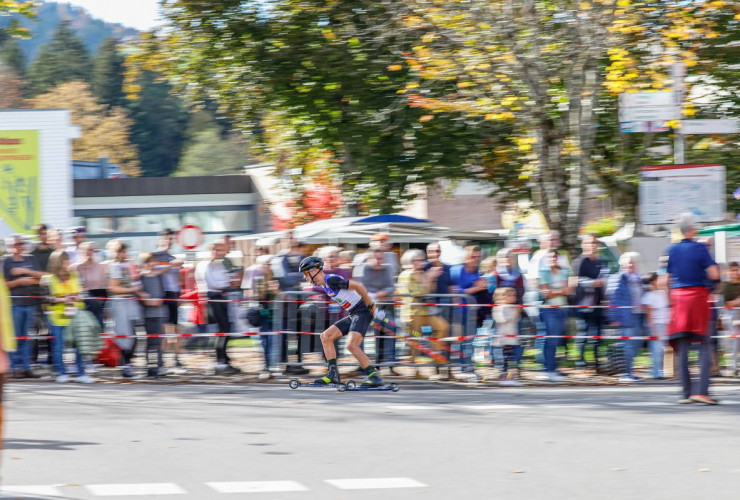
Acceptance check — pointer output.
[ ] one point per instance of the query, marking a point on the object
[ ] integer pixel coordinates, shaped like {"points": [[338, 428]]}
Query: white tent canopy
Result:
{"points": [[357, 231]]}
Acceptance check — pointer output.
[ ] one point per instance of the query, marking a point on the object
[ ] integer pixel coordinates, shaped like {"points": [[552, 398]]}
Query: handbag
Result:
{"points": [[110, 354]]}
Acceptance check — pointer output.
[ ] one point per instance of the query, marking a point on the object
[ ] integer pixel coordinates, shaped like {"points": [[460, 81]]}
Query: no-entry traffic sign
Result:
{"points": [[190, 237]]}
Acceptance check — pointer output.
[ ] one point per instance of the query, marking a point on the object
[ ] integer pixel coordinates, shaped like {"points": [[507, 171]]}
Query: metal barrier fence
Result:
{"points": [[298, 318]]}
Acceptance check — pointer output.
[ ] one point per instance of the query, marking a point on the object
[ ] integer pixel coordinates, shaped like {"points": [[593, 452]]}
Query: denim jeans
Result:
{"points": [[631, 346], [505, 354], [58, 352], [23, 317], [554, 320], [657, 348], [589, 324]]}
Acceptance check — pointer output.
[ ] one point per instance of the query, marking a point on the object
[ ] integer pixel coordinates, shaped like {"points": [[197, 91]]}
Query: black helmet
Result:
{"points": [[311, 263]]}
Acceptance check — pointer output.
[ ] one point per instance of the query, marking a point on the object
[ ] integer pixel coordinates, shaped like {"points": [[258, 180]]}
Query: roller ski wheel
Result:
{"points": [[297, 384], [354, 386]]}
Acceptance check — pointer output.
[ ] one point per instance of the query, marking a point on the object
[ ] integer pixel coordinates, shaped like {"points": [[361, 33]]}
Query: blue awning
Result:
{"points": [[390, 219]]}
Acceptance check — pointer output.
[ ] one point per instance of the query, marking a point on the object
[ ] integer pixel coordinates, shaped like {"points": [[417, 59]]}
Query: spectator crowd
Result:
{"points": [[67, 296]]}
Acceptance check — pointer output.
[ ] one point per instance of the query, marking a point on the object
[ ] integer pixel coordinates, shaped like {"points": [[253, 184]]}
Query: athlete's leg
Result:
{"points": [[354, 341], [328, 337], [327, 340]]}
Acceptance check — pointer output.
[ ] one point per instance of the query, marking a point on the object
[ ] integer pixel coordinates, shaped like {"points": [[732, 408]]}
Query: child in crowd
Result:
{"points": [[155, 312], [506, 346], [657, 310]]}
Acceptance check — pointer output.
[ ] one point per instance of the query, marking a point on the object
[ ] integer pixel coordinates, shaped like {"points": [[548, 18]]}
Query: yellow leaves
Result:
{"points": [[524, 143], [506, 115], [584, 6], [464, 85], [426, 118], [624, 3], [428, 37], [395, 67], [412, 85], [737, 17]]}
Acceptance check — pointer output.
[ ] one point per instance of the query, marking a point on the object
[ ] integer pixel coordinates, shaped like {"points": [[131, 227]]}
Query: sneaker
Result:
{"points": [[127, 372], [162, 371], [555, 378], [30, 374], [373, 380], [296, 370], [625, 379], [152, 372], [85, 379], [635, 378], [227, 370], [178, 370], [701, 398], [265, 375], [543, 376], [62, 379], [331, 377], [685, 401]]}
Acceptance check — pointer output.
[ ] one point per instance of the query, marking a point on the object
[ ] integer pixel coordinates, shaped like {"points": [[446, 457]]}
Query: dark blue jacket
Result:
{"points": [[620, 296]]}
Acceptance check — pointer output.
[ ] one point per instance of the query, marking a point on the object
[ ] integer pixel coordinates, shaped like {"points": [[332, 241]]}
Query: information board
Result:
{"points": [[667, 191]]}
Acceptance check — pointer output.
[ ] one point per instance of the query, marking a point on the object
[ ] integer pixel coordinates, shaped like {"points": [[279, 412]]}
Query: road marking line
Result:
{"points": [[51, 491], [491, 407], [643, 403], [375, 483], [566, 405], [411, 407], [257, 486], [143, 489]]}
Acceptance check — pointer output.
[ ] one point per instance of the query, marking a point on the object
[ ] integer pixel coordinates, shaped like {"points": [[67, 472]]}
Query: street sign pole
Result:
{"points": [[679, 142]]}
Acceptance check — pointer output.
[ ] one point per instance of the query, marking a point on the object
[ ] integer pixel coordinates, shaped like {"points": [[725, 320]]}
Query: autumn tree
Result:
{"points": [[546, 68], [19, 9], [11, 88], [105, 131]]}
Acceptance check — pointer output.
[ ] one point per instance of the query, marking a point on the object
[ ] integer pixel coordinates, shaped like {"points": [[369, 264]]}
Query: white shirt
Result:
{"points": [[211, 276], [657, 301]]}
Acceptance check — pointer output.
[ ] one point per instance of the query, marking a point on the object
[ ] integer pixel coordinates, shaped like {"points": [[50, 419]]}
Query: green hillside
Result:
{"points": [[92, 31]]}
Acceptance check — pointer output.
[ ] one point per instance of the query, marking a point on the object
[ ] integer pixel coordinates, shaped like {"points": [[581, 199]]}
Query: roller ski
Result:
{"points": [[373, 383], [329, 381]]}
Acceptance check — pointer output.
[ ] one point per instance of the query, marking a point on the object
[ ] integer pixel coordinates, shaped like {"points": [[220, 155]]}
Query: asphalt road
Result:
{"points": [[270, 442]]}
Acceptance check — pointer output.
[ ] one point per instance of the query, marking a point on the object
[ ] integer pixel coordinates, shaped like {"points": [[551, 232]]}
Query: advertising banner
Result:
{"points": [[20, 207]]}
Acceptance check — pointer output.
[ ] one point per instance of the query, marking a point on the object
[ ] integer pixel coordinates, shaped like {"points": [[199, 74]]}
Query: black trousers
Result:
{"points": [[153, 326], [218, 312]]}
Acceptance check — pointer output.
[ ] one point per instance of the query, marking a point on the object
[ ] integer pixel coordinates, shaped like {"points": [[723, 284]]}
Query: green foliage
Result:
{"points": [[325, 67], [605, 226], [159, 122], [107, 76], [64, 59], [208, 153], [12, 56]]}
